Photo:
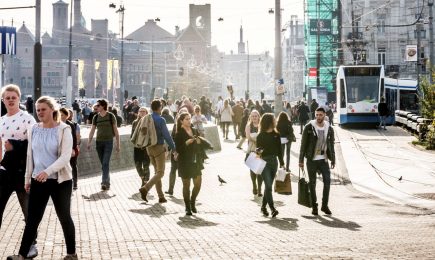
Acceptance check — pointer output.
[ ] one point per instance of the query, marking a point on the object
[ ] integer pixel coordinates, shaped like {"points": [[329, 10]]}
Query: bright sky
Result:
{"points": [[257, 23]]}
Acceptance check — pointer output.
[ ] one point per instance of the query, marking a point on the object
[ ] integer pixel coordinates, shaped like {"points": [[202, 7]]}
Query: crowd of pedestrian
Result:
{"points": [[52, 171]]}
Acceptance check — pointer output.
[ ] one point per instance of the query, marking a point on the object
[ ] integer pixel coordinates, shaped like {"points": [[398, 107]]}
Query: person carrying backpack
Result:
{"points": [[105, 123]]}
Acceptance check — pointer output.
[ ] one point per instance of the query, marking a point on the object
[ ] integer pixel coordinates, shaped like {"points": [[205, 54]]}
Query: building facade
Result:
{"points": [[381, 32]]}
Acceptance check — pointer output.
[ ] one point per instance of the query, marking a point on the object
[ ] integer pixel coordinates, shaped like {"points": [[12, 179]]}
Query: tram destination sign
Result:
{"points": [[8, 40], [323, 25]]}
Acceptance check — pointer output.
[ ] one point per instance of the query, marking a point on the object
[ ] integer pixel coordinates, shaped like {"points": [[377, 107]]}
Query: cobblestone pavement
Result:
{"points": [[119, 225]]}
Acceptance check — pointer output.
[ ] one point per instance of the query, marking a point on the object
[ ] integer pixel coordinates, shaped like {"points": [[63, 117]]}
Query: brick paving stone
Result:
{"points": [[118, 225]]}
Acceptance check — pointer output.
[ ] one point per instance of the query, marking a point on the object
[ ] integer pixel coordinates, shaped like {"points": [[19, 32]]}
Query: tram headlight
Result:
{"points": [[375, 107], [350, 106]]}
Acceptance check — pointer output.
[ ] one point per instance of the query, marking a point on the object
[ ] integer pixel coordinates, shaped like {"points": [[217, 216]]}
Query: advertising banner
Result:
{"points": [[81, 80], [8, 40], [411, 53], [323, 25]]}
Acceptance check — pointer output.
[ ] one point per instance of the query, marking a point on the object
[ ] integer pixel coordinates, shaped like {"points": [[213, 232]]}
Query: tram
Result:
{"points": [[359, 89], [401, 94]]}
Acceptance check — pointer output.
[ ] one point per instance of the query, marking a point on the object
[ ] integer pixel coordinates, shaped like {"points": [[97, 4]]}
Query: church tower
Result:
{"points": [[60, 22], [241, 43]]}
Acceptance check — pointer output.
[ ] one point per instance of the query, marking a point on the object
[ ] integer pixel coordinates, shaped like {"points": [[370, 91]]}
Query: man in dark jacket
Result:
{"points": [[303, 115], [383, 112], [314, 105], [317, 146]]}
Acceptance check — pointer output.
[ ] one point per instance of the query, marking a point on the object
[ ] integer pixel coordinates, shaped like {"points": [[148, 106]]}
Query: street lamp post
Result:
{"points": [[431, 48], [278, 56], [38, 54], [69, 78], [121, 11]]}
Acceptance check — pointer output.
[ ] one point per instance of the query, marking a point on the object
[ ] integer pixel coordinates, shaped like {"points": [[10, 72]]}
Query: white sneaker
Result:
{"points": [[33, 252]]}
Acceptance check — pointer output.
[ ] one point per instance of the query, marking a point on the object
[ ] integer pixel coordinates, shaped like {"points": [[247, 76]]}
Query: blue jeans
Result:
{"points": [[313, 167], [383, 120], [104, 150], [268, 175]]}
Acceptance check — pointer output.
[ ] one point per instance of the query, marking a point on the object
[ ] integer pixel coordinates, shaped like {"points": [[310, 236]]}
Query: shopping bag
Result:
{"points": [[284, 187], [280, 175], [304, 197], [255, 163]]}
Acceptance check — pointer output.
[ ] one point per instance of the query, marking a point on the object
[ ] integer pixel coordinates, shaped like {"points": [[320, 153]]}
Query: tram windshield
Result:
{"points": [[362, 84]]}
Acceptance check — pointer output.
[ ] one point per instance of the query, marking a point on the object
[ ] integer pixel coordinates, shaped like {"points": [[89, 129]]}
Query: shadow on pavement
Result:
{"points": [[281, 223], [176, 200], [334, 222], [137, 197], [259, 201], [194, 222], [155, 211], [101, 195]]}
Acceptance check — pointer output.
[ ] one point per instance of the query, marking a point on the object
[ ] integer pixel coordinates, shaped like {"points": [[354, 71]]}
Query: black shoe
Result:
{"points": [[274, 213], [143, 193], [162, 200], [255, 191], [265, 212], [315, 211], [103, 187], [260, 194], [326, 210], [188, 212], [75, 187], [193, 208], [169, 192]]}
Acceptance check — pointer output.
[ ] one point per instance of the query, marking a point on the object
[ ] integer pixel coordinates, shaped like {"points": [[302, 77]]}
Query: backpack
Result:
{"points": [[145, 133]]}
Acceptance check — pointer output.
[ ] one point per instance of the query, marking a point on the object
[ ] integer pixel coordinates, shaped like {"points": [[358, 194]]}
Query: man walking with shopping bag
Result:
{"points": [[317, 146]]}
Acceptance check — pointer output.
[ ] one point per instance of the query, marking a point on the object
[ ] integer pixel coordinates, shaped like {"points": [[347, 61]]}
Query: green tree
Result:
{"points": [[427, 104], [427, 100]]}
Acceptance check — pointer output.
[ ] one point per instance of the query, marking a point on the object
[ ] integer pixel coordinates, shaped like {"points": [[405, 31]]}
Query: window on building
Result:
{"points": [[381, 56], [381, 23]]}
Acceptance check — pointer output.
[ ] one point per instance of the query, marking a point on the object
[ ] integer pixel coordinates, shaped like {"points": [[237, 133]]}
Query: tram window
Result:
{"points": [[382, 87], [362, 89], [343, 94]]}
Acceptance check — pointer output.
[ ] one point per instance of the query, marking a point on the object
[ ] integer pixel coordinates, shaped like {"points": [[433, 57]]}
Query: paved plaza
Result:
{"points": [[118, 225]]}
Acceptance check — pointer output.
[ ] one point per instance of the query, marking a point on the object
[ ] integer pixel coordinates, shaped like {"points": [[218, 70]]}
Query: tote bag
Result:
{"points": [[304, 196], [284, 187]]}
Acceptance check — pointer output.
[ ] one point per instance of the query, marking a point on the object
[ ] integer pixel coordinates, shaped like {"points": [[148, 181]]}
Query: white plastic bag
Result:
{"points": [[280, 175], [255, 163]]}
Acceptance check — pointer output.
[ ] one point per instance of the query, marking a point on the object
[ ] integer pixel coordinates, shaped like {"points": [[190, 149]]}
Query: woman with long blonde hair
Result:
{"points": [[251, 132], [49, 175]]}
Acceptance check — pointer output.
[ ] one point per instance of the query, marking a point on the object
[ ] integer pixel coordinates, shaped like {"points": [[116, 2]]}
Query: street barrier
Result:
{"points": [[88, 162], [413, 122]]}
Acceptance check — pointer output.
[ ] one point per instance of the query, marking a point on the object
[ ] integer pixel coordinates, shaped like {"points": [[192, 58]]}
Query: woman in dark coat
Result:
{"points": [[190, 160], [285, 129]]}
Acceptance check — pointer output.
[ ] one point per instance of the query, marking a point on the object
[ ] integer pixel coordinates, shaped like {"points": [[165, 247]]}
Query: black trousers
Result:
{"points": [[60, 194], [142, 163], [10, 182], [73, 163]]}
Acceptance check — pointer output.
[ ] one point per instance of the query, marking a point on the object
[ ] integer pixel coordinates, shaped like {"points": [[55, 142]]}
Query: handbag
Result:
{"points": [[255, 163], [304, 196], [284, 187]]}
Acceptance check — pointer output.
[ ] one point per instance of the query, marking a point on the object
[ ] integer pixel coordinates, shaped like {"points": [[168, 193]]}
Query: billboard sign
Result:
{"points": [[323, 25], [8, 40], [411, 53]]}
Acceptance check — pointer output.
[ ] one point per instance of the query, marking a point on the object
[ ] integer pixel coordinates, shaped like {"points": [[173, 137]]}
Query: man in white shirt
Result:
{"points": [[14, 127]]}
